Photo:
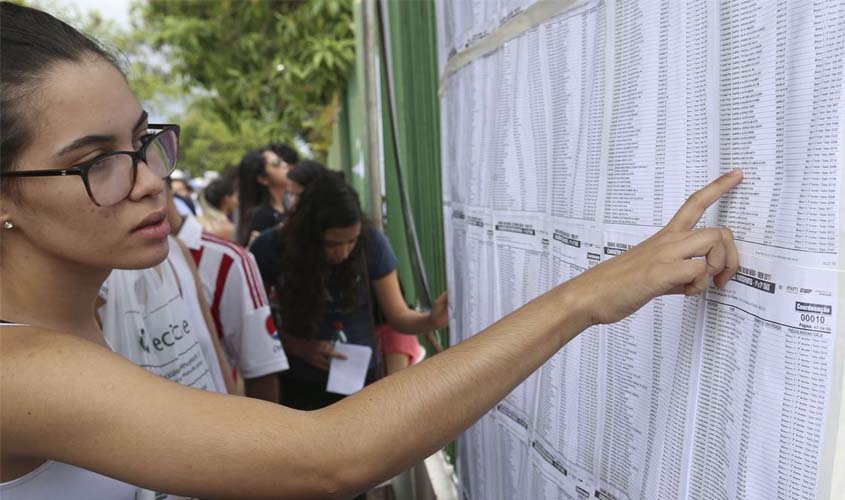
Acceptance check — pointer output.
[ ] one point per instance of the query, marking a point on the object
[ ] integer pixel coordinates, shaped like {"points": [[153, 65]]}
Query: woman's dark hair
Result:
{"points": [[218, 189], [306, 171], [285, 152], [31, 43], [251, 193], [327, 203]]}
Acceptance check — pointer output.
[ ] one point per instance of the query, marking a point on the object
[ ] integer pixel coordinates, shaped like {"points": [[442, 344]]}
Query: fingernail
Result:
{"points": [[733, 173]]}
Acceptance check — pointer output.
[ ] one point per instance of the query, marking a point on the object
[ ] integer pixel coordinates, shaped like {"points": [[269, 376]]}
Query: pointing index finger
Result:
{"points": [[691, 211]]}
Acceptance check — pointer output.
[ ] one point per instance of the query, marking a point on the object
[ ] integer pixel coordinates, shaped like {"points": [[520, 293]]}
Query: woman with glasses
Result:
{"points": [[82, 194], [262, 187]]}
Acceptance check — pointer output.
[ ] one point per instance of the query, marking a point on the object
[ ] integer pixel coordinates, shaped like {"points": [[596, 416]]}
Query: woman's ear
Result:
{"points": [[263, 180]]}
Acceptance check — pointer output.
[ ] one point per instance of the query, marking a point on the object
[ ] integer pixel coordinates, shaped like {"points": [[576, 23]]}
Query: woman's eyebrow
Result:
{"points": [[142, 121], [99, 139]]}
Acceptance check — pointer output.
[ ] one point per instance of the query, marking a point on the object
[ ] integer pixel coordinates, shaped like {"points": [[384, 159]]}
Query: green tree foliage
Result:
{"points": [[258, 70], [208, 144], [148, 77], [236, 74]]}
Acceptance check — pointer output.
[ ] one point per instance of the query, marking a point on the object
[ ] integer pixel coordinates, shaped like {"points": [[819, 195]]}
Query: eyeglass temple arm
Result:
{"points": [[164, 125], [42, 173]]}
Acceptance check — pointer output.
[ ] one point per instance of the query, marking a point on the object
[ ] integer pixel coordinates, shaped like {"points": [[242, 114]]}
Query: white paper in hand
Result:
{"points": [[347, 376]]}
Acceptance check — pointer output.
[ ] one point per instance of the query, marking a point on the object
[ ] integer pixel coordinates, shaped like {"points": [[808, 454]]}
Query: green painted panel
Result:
{"points": [[413, 50], [413, 45]]}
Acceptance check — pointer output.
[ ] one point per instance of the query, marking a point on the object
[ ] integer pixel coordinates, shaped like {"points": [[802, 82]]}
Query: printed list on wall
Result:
{"points": [[578, 139]]}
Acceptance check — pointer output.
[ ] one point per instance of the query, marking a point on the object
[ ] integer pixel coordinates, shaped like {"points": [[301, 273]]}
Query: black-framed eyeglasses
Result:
{"points": [[109, 178]]}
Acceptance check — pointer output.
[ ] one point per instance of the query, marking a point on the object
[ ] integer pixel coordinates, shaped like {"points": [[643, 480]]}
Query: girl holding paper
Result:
{"points": [[328, 266]]}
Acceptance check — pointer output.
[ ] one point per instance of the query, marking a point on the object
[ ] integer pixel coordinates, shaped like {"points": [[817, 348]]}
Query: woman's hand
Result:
{"points": [[677, 259], [317, 353], [439, 315], [404, 319]]}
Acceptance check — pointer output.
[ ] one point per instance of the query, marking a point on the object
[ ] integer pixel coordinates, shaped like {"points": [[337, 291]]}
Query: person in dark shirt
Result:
{"points": [[399, 350], [262, 187], [323, 264]]}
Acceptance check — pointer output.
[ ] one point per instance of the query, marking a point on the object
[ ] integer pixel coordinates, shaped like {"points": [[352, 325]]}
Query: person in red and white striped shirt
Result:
{"points": [[239, 306]]}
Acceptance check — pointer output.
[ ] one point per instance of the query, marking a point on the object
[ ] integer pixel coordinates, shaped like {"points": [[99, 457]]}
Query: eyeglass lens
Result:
{"points": [[112, 178]]}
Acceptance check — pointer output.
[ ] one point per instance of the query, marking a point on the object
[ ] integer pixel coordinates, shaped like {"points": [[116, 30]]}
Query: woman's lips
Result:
{"points": [[158, 230], [154, 226]]}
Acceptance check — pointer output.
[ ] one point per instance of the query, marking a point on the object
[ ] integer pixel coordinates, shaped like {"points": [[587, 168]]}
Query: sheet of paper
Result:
{"points": [[764, 386], [347, 376], [566, 421], [511, 459], [648, 367], [782, 121], [580, 138], [477, 466]]}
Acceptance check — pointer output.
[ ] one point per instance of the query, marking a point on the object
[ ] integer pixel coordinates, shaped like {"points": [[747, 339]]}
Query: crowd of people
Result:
{"points": [[134, 315]]}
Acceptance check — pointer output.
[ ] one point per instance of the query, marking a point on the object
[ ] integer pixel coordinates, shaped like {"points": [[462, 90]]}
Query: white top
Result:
{"points": [[53, 480], [147, 320], [239, 305], [189, 292]]}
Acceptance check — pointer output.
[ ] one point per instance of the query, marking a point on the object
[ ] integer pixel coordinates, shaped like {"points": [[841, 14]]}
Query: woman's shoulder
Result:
{"points": [[381, 258], [375, 237], [264, 217], [266, 241], [25, 347], [16, 338], [46, 357], [48, 374], [267, 249]]}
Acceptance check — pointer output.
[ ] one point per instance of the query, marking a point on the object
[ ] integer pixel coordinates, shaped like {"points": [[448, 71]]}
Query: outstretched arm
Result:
{"points": [[67, 399], [464, 382]]}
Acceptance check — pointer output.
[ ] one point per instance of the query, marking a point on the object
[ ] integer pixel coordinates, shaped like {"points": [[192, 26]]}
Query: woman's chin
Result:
{"points": [[144, 258]]}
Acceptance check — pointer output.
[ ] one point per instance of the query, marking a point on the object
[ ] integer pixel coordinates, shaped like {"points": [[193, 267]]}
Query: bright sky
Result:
{"points": [[117, 10]]}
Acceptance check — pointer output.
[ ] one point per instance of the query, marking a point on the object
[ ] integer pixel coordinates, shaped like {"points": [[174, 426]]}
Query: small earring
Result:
{"points": [[8, 224]]}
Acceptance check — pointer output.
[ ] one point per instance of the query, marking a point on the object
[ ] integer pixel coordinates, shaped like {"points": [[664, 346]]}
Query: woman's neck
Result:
{"points": [[42, 290], [276, 197]]}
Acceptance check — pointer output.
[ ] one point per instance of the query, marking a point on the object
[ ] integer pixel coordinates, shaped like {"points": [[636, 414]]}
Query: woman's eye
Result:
{"points": [[89, 158]]}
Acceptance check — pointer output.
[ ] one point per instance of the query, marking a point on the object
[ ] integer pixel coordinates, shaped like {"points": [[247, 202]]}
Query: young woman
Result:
{"points": [[324, 278], [69, 405], [262, 184], [400, 350]]}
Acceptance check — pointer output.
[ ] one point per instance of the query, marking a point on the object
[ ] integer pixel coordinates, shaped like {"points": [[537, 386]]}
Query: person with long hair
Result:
{"points": [[400, 350], [262, 186], [325, 262], [83, 193]]}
